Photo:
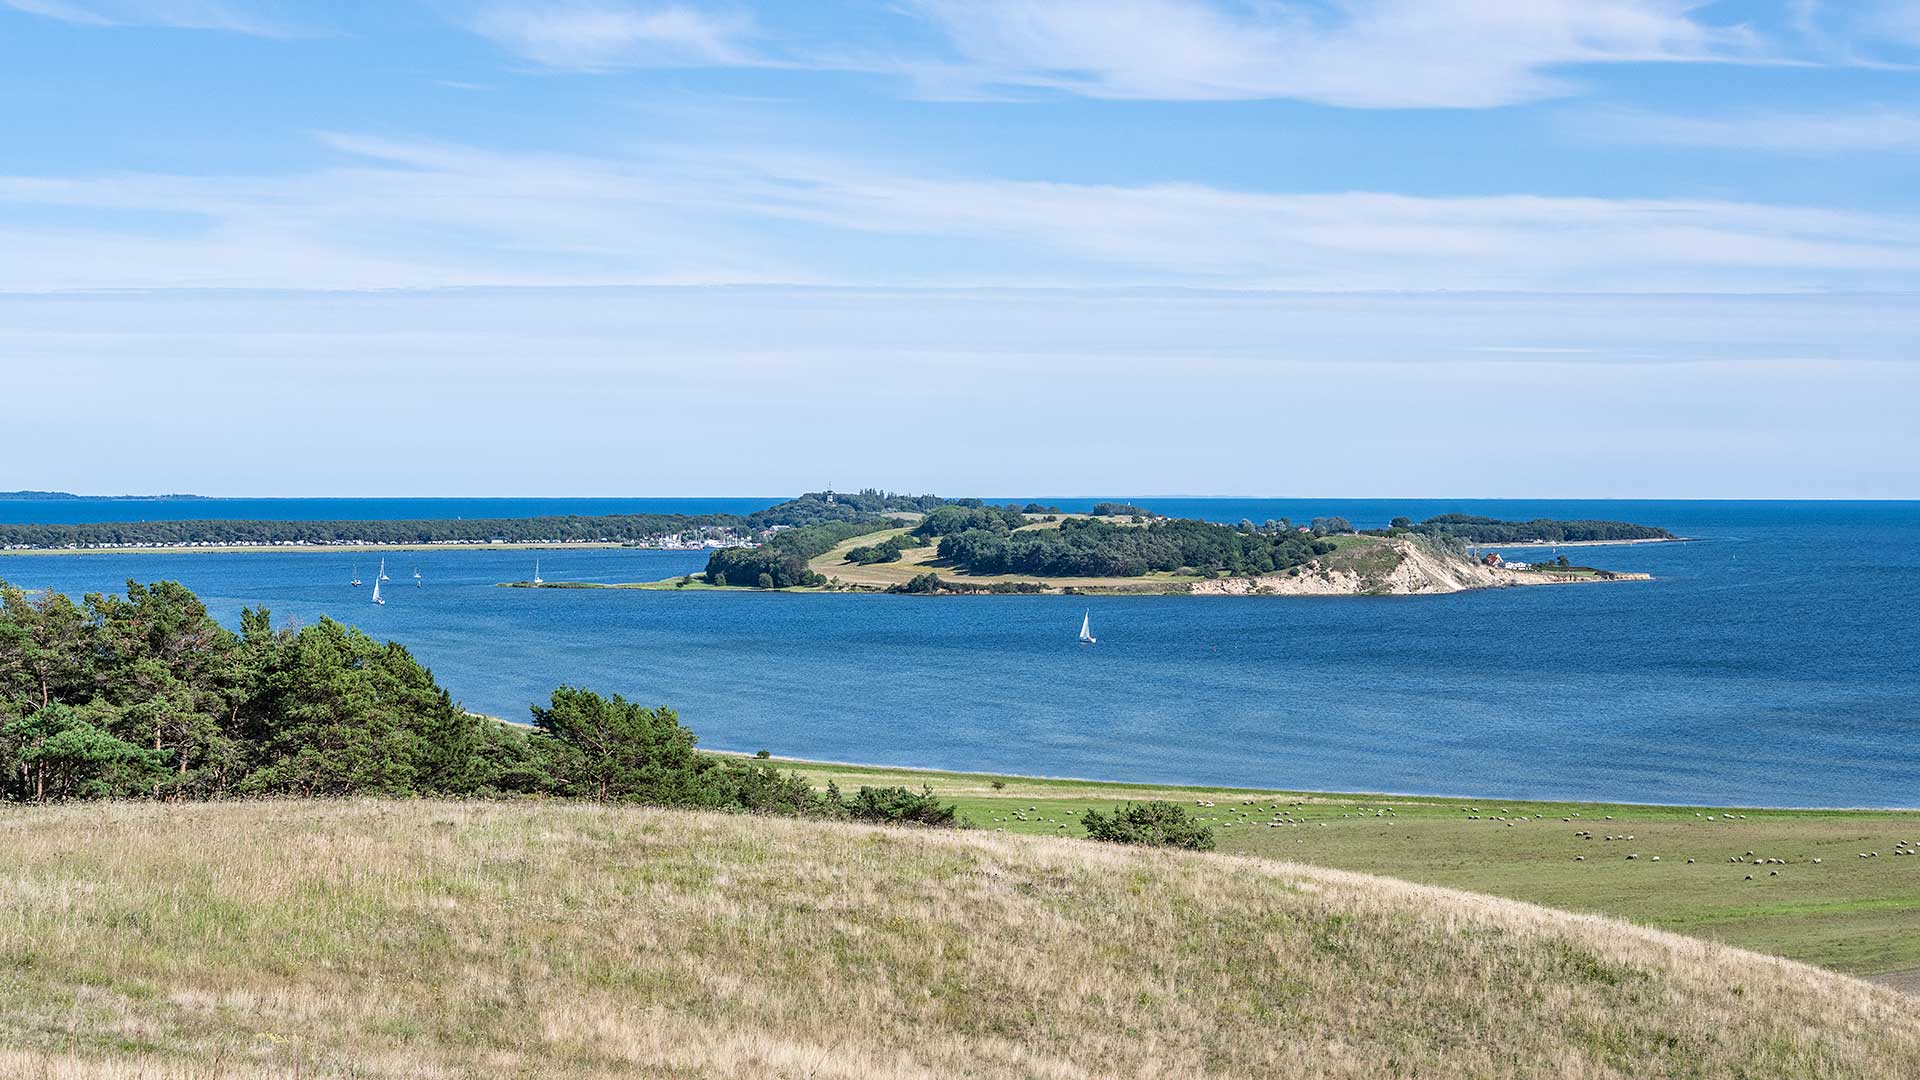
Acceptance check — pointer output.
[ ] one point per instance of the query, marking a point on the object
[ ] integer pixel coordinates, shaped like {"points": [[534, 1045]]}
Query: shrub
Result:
{"points": [[885, 551], [898, 806], [1150, 824]]}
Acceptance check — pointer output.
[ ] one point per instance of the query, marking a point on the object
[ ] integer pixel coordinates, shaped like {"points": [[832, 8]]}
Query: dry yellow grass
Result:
{"points": [[380, 939]]}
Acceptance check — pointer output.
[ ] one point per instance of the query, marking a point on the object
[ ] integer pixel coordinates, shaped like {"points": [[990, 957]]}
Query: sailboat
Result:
{"points": [[536, 573], [1086, 629], [356, 578], [383, 571], [416, 577], [376, 592]]}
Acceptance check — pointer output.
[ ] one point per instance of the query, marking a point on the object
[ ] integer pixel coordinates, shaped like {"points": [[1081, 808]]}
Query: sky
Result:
{"points": [[1341, 248]]}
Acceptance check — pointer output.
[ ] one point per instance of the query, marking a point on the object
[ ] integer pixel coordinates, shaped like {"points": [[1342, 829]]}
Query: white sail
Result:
{"points": [[536, 573], [376, 592], [1086, 629]]}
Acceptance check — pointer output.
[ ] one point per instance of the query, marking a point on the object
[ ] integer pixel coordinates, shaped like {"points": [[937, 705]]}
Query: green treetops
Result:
{"points": [[145, 696], [1152, 824]]}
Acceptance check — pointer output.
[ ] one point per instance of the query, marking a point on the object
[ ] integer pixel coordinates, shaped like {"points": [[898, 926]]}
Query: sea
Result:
{"points": [[1772, 661]]}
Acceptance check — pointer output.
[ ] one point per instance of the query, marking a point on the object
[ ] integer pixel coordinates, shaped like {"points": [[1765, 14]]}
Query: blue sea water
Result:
{"points": [[1770, 663]]}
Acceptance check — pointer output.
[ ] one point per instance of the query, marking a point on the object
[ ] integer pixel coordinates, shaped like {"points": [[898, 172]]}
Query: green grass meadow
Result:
{"points": [[1851, 914]]}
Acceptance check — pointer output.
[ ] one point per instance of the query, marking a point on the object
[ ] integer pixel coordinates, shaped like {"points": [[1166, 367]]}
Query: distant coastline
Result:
{"points": [[1595, 543], [324, 549], [68, 496], [879, 541]]}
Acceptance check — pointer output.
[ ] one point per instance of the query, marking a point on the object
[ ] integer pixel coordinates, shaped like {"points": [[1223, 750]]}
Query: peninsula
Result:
{"points": [[966, 546], [877, 541]]}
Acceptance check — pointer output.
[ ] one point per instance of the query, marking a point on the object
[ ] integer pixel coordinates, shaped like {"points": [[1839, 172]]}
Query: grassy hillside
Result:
{"points": [[1844, 912], [380, 939]]}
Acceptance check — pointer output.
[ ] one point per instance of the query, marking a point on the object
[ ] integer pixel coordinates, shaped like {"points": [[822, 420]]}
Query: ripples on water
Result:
{"points": [[1771, 664]]}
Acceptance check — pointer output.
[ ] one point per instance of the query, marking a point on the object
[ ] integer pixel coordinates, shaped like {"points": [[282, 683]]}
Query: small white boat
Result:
{"points": [[1086, 629], [376, 592], [416, 577], [537, 580], [383, 571], [356, 578]]}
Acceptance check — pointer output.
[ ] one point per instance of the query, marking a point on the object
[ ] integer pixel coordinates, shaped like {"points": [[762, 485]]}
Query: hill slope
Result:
{"points": [[388, 939]]}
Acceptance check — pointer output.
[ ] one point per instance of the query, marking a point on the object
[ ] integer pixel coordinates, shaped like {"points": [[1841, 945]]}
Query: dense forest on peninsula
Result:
{"points": [[1089, 547], [1486, 530], [147, 696]]}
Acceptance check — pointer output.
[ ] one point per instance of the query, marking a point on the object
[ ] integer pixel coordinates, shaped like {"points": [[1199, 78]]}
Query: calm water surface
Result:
{"points": [[1773, 663]]}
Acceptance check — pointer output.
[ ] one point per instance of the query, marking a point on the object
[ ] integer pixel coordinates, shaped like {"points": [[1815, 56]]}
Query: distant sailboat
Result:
{"points": [[536, 573], [416, 577], [1086, 629], [383, 571], [376, 592], [356, 577]]}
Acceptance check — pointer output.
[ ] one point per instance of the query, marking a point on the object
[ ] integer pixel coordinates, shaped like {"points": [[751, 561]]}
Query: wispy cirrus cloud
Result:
{"points": [[415, 214], [1358, 53], [597, 35], [253, 19], [1864, 129]]}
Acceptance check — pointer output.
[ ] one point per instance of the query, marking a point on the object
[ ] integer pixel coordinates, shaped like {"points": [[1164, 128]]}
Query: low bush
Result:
{"points": [[898, 806], [1149, 824]]}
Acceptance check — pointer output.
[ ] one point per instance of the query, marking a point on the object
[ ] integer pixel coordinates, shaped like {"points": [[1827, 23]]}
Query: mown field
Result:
{"points": [[1844, 912], [426, 939]]}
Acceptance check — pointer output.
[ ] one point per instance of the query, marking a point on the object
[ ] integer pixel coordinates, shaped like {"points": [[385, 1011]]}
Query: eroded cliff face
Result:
{"points": [[1394, 567]]}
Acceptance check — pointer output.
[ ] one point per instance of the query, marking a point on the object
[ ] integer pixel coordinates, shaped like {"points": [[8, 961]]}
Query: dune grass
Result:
{"points": [[382, 939], [1851, 914]]}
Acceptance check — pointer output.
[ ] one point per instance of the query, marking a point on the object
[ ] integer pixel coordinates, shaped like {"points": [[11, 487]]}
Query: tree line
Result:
{"points": [[1486, 530], [147, 696], [1085, 547], [608, 528], [809, 509], [958, 519]]}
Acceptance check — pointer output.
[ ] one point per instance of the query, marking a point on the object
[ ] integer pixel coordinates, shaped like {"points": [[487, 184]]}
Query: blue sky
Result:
{"points": [[1371, 247]]}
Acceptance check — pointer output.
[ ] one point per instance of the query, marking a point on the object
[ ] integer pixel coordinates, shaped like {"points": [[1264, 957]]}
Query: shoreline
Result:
{"points": [[332, 549], [1595, 543], [1237, 789]]}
